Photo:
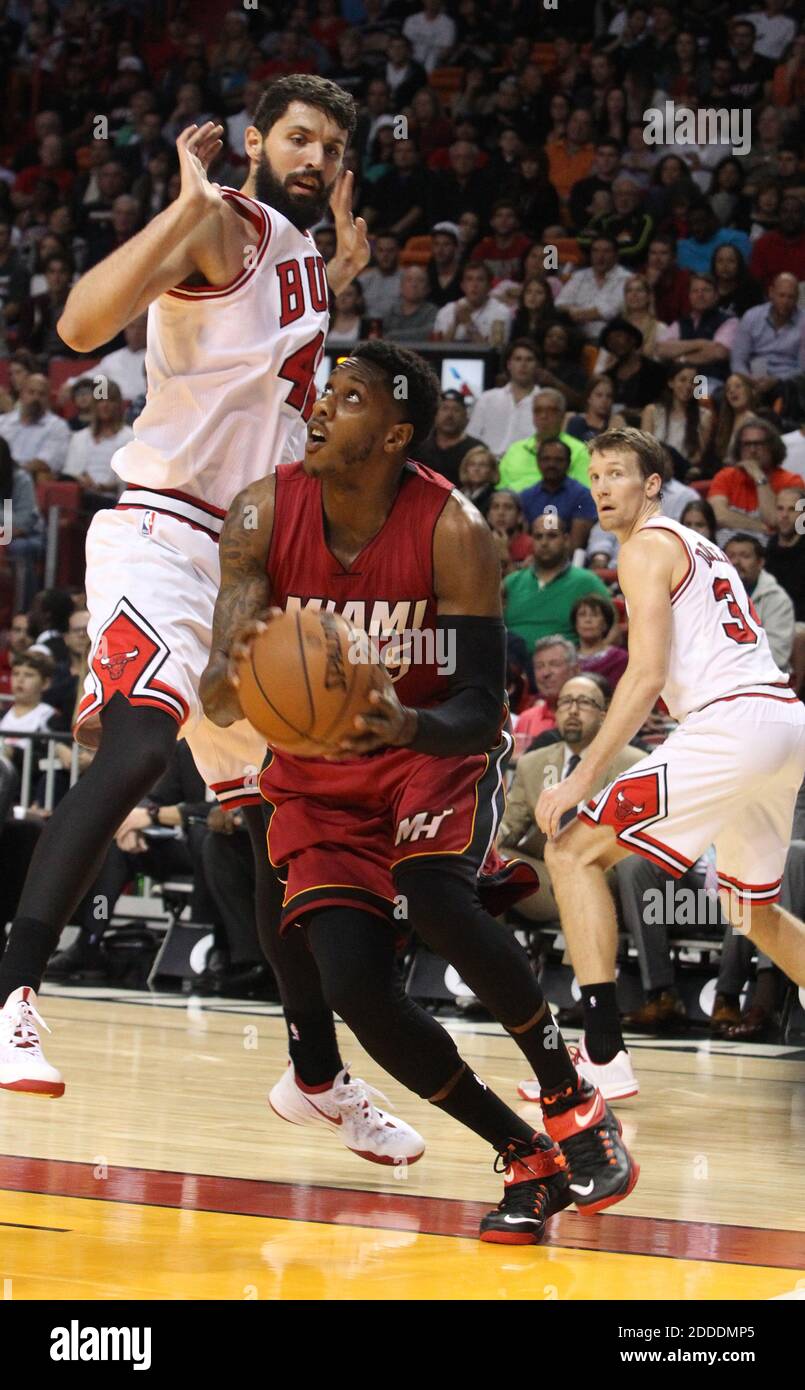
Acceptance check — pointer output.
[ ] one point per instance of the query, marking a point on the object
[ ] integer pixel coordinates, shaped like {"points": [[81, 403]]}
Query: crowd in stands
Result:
{"points": [[514, 202]]}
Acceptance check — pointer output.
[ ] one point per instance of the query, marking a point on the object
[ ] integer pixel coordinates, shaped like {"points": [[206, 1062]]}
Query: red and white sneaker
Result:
{"points": [[615, 1080], [23, 1065], [600, 1169], [346, 1108]]}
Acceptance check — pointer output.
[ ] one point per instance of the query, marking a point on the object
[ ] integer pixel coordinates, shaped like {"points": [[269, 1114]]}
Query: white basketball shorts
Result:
{"points": [[727, 776], [152, 580]]}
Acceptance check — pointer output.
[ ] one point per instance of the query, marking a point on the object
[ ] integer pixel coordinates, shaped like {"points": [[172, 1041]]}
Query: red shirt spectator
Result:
{"points": [[784, 248], [740, 491]]}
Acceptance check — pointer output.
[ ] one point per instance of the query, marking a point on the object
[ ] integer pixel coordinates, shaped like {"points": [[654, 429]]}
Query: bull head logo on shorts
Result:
{"points": [[116, 664]]}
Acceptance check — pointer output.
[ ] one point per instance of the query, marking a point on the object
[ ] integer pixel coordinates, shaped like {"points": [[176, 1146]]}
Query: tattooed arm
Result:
{"points": [[243, 598]]}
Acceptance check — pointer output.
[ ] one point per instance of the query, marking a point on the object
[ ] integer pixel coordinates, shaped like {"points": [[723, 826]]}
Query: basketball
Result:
{"points": [[304, 681]]}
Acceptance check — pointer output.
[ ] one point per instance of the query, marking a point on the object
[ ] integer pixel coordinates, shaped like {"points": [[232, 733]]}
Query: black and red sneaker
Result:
{"points": [[535, 1189], [600, 1169]]}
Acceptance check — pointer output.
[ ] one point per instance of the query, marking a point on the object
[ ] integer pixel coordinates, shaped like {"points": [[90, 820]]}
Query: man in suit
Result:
{"points": [[580, 711]]}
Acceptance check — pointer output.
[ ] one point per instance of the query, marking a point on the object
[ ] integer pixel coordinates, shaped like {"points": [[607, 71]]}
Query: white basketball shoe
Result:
{"points": [[346, 1108], [23, 1065], [615, 1080]]}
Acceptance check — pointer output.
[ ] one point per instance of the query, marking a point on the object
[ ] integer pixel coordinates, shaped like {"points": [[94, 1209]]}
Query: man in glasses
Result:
{"points": [[744, 494]]}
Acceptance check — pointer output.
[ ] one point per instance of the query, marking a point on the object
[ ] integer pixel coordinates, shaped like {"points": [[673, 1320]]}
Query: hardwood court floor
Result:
{"points": [[163, 1174]]}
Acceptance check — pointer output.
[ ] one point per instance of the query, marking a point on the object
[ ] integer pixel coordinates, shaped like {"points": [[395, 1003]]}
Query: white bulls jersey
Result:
{"points": [[718, 646], [230, 369]]}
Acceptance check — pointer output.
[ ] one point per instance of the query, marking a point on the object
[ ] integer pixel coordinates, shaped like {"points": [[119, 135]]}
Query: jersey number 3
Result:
{"points": [[300, 369], [739, 631]]}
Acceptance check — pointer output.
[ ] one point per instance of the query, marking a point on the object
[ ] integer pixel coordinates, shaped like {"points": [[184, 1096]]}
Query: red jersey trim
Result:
{"points": [[791, 699], [680, 588], [259, 220]]}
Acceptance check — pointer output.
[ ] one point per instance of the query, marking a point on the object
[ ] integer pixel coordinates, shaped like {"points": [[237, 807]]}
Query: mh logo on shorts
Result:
{"points": [[412, 827]]}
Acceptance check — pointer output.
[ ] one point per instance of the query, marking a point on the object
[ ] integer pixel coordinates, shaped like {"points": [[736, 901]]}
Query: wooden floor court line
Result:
{"points": [[630, 1235]]}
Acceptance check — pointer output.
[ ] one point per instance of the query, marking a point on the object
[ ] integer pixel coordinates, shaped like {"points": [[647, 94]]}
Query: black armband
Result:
{"points": [[470, 719]]}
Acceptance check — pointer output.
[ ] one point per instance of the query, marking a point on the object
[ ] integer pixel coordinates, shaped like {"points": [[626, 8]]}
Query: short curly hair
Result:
{"points": [[400, 366], [320, 92]]}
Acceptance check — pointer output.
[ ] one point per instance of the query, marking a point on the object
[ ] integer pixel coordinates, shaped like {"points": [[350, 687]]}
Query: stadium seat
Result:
{"points": [[60, 369], [417, 251], [72, 528]]}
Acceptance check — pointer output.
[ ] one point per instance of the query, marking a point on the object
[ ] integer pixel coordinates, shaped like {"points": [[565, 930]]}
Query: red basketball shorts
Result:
{"points": [[341, 829]]}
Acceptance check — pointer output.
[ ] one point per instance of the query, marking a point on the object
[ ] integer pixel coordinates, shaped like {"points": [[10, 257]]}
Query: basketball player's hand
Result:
{"points": [[197, 147], [386, 724], [554, 801], [352, 251]]}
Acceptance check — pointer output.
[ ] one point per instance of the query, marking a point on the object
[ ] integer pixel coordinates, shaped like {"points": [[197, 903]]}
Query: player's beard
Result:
{"points": [[303, 211]]}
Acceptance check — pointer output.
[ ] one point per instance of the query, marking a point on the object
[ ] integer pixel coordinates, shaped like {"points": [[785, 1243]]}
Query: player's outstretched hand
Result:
{"points": [[386, 724], [352, 252], [196, 147]]}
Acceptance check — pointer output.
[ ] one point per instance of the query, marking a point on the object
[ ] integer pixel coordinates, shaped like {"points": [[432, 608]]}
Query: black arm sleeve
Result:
{"points": [[470, 719]]}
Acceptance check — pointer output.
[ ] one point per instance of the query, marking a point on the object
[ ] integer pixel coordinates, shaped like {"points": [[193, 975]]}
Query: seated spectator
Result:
{"points": [[679, 419], [581, 705], [695, 252], [699, 516], [126, 366], [636, 379], [557, 495], [445, 265], [48, 621], [66, 688], [743, 494], [431, 33], [774, 608], [404, 75], [594, 295], [595, 622], [448, 442], [14, 279], [765, 211], [464, 188], [478, 476], [769, 343], [667, 280], [412, 318], [80, 395], [782, 249], [728, 200], [705, 336], [37, 438], [347, 317], [570, 158], [20, 366], [503, 251], [605, 168], [534, 195], [554, 661], [120, 227], [535, 310], [597, 416], [675, 495], [14, 642], [505, 519], [28, 713], [504, 414], [638, 309], [402, 196], [736, 289], [628, 223], [739, 400], [91, 451], [559, 349], [40, 315], [26, 544], [381, 283], [538, 599], [519, 467], [52, 167], [476, 317], [785, 552]]}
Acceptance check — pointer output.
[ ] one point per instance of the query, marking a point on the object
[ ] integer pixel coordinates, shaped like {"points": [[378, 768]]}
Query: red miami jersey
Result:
{"points": [[387, 592], [718, 647], [230, 371]]}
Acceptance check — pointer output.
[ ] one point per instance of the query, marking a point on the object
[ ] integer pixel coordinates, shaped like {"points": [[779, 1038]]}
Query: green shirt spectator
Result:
{"points": [[519, 467], [538, 599]]}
